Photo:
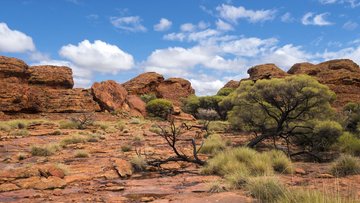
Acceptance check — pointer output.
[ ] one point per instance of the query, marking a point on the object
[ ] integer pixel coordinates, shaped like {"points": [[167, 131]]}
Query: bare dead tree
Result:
{"points": [[172, 134], [84, 120]]}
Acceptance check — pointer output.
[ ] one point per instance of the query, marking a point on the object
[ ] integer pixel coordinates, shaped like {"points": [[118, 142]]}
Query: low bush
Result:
{"points": [[81, 154], [219, 126], [148, 97], [266, 189], [73, 139], [67, 124], [346, 165], [20, 132], [126, 148], [120, 125], [280, 162], [213, 144], [349, 143], [159, 108], [207, 114], [135, 121], [46, 150], [216, 187], [138, 163]]}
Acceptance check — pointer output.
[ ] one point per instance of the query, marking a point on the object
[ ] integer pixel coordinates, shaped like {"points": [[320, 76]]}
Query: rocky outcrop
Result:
{"points": [[54, 76], [40, 89], [135, 105], [144, 83], [109, 94], [172, 89], [266, 71], [232, 84], [342, 76]]}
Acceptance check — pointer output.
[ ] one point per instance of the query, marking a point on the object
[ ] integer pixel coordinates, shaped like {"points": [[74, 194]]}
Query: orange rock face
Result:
{"points": [[144, 83], [232, 84], [342, 76], [266, 71], [172, 89], [137, 107], [40, 89], [109, 94], [54, 76]]}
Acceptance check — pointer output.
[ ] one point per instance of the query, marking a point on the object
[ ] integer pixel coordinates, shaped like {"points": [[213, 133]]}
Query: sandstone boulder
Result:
{"points": [[12, 67], [174, 89], [342, 76], [109, 94], [266, 71], [137, 107], [144, 83], [54, 76], [232, 84]]}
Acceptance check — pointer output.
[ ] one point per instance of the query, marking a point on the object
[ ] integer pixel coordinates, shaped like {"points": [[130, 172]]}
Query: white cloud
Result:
{"points": [[233, 14], [350, 25], [204, 86], [14, 41], [195, 36], [352, 53], [163, 25], [247, 47], [287, 18], [352, 3], [98, 56], [187, 27], [312, 19], [130, 23], [221, 25]]}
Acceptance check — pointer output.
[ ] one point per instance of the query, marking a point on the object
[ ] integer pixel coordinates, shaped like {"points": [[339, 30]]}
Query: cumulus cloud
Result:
{"points": [[130, 23], [350, 25], [287, 18], [313, 19], [233, 14], [14, 41], [187, 27], [352, 3], [221, 25], [163, 25], [98, 56], [206, 86]]}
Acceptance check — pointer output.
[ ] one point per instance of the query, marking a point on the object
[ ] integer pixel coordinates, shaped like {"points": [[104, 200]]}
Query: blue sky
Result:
{"points": [[205, 41]]}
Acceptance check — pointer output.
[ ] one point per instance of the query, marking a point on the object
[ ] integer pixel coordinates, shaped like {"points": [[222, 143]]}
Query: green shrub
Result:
{"points": [[138, 163], [135, 121], [155, 129], [311, 196], [46, 150], [159, 108], [266, 189], [21, 132], [213, 144], [219, 126], [148, 97], [225, 91], [191, 104], [126, 148], [81, 154], [102, 125], [349, 143], [73, 139], [68, 124], [346, 165], [120, 125], [280, 162]]}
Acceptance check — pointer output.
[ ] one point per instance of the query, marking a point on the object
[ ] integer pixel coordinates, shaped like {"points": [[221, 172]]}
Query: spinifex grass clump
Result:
{"points": [[213, 144], [239, 164], [346, 165]]}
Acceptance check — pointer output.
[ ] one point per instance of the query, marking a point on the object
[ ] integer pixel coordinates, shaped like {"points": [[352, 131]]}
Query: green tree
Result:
{"points": [[280, 108], [159, 108]]}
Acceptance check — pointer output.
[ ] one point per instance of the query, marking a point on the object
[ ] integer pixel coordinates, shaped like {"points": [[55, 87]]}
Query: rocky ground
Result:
{"points": [[104, 173]]}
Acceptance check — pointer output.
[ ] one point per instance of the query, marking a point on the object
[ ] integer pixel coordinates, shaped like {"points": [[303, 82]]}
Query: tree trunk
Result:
{"points": [[257, 139]]}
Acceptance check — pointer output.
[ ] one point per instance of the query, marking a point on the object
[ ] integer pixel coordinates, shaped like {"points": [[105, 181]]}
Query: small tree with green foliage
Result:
{"points": [[280, 108], [352, 113], [159, 108]]}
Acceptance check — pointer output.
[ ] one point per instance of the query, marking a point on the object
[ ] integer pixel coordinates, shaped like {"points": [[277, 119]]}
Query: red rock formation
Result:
{"points": [[266, 71], [144, 83], [109, 94], [54, 76], [342, 76], [172, 89], [136, 106], [232, 84]]}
